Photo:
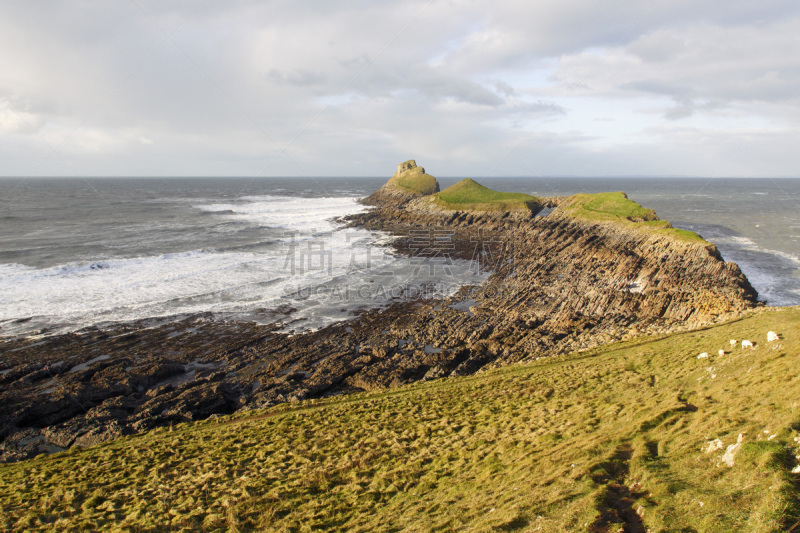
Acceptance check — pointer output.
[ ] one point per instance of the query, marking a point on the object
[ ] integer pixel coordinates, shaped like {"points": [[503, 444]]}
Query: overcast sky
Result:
{"points": [[351, 88]]}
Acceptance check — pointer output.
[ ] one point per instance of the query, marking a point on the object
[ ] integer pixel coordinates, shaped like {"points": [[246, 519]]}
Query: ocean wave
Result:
{"points": [[16, 273], [287, 212], [745, 243], [307, 271], [773, 273], [211, 212]]}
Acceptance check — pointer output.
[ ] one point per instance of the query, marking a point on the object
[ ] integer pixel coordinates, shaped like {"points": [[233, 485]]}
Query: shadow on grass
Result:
{"points": [[615, 504]]}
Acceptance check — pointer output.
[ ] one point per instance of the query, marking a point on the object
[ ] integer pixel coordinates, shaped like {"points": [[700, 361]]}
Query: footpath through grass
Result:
{"points": [[631, 436]]}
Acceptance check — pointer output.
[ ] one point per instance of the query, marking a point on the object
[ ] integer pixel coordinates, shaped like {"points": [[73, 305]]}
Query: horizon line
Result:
{"points": [[460, 176]]}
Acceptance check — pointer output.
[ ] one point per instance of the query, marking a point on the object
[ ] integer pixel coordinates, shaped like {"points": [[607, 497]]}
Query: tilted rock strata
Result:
{"points": [[557, 264], [558, 284]]}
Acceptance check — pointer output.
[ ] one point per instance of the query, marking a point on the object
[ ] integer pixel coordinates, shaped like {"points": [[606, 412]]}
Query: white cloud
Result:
{"points": [[338, 88], [15, 120], [725, 64]]}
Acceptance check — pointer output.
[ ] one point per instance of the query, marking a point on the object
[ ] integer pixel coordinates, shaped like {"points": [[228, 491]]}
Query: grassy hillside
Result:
{"points": [[632, 435], [469, 195], [615, 206], [608, 206]]}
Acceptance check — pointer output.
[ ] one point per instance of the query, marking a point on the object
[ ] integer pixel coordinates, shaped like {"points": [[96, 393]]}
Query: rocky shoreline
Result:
{"points": [[558, 284]]}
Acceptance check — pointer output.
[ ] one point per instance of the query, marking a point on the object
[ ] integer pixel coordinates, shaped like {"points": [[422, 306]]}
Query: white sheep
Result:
{"points": [[703, 355], [747, 344], [733, 343], [721, 353], [772, 336]]}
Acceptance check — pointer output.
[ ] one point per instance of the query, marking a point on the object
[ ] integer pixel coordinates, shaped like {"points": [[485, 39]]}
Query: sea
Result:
{"points": [[80, 252]]}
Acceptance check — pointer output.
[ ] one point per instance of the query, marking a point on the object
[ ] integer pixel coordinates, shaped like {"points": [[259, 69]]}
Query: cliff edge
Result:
{"points": [[597, 268]]}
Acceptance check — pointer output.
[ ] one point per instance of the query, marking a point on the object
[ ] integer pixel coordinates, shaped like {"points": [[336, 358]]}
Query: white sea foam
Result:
{"points": [[771, 272], [321, 270], [745, 243], [288, 212]]}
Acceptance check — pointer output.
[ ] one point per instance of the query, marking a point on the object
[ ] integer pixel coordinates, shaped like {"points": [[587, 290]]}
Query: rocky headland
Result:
{"points": [[566, 274]]}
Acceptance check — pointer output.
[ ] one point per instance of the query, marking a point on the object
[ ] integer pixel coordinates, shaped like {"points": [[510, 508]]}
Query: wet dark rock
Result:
{"points": [[557, 285]]}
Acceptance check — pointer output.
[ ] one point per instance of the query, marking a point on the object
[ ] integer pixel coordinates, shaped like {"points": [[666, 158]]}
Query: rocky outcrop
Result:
{"points": [[409, 182], [561, 282], [90, 387], [558, 283], [557, 268]]}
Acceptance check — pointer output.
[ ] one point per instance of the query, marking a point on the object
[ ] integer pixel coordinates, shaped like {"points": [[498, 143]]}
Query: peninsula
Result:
{"points": [[597, 268], [579, 394]]}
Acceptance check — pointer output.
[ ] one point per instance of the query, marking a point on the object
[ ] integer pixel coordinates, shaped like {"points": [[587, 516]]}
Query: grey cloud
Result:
{"points": [[455, 83], [504, 88], [685, 108], [655, 86], [659, 46], [438, 86], [522, 34], [723, 64], [384, 80], [537, 108], [298, 78], [679, 111]]}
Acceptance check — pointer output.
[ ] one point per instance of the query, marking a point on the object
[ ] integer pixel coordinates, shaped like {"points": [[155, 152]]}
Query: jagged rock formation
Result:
{"points": [[561, 283], [598, 268]]}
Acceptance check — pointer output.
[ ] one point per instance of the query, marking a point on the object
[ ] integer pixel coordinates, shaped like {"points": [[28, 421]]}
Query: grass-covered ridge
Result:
{"points": [[630, 435], [469, 195], [608, 206], [617, 207]]}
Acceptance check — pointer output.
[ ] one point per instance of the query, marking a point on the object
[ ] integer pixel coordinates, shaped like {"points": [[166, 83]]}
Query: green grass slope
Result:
{"points": [[469, 195], [616, 207], [630, 436], [609, 206]]}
